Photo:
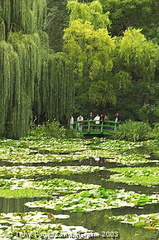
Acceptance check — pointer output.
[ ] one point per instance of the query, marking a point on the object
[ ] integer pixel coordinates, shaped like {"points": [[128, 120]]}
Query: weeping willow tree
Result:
{"points": [[27, 16], [9, 66], [33, 79], [55, 90], [2, 30]]}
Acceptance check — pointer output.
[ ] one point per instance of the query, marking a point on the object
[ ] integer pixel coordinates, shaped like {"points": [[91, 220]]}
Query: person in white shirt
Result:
{"points": [[80, 119], [97, 119], [71, 122]]}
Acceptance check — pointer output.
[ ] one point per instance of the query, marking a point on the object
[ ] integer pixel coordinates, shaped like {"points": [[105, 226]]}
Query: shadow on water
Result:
{"points": [[98, 221]]}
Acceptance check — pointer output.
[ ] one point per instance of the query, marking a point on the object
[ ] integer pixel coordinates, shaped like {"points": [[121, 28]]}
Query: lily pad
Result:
{"points": [[148, 221], [146, 176], [96, 199], [27, 171], [29, 188]]}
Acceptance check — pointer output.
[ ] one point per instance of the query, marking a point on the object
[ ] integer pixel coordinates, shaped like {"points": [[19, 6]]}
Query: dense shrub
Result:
{"points": [[154, 134], [72, 133], [132, 131], [52, 129]]}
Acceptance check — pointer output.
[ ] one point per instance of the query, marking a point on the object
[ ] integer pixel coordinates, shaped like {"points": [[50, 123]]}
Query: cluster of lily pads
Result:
{"points": [[39, 225], [67, 195], [95, 199], [148, 221], [52, 150], [27, 171], [145, 176], [47, 187]]}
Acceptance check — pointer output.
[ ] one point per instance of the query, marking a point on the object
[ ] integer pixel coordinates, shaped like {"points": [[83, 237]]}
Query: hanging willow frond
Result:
{"points": [[33, 78], [2, 30]]}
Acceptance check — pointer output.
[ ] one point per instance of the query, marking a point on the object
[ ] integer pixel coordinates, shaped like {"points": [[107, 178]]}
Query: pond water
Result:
{"points": [[96, 220]]}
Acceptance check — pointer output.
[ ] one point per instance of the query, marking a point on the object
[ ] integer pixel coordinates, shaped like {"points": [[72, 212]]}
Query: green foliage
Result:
{"points": [[138, 55], [52, 129], [144, 176], [23, 193], [2, 30], [90, 52], [132, 131], [154, 134], [27, 16], [71, 133], [146, 112], [92, 12], [88, 47], [102, 92], [96, 71], [107, 71], [55, 22], [34, 79], [56, 90], [148, 221], [133, 13]]}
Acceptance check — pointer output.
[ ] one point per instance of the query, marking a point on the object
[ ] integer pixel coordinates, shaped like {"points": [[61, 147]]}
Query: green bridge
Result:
{"points": [[90, 127]]}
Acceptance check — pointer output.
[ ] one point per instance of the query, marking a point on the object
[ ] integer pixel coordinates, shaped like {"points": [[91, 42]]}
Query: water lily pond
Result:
{"points": [[79, 188]]}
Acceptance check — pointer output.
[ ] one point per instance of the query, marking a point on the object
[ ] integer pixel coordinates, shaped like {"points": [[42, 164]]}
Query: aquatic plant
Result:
{"points": [[39, 225], [148, 221], [146, 176], [21, 188], [27, 171], [42, 150], [96, 199]]}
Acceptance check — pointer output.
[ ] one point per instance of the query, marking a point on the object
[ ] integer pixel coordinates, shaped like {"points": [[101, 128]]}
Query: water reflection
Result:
{"points": [[99, 160], [99, 221], [13, 205]]}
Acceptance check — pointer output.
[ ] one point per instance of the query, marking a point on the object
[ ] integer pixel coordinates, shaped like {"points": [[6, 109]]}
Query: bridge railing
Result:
{"points": [[91, 127]]}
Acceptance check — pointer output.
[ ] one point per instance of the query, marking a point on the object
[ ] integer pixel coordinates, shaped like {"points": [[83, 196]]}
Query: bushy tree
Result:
{"points": [[138, 57], [139, 14]]}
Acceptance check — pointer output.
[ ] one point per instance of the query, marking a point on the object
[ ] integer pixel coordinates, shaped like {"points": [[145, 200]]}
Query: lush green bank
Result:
{"points": [[60, 58]]}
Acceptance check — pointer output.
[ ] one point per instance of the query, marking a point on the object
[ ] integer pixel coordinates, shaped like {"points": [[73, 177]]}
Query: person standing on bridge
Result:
{"points": [[71, 122], [80, 119], [97, 120], [35, 121], [105, 117], [117, 117], [90, 117]]}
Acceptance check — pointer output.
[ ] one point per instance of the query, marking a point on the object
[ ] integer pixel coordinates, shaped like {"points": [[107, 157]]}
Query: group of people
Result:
{"points": [[97, 119]]}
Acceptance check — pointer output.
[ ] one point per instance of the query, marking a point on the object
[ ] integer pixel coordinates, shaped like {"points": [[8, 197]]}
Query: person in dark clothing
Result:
{"points": [[117, 117], [90, 117], [35, 121]]}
